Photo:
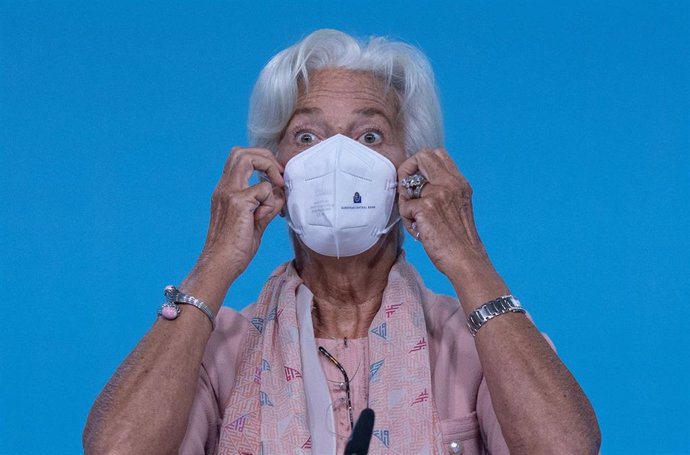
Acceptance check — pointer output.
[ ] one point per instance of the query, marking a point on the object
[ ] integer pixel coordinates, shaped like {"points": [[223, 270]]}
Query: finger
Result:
{"points": [[448, 162], [259, 192], [237, 152], [417, 164], [407, 168], [424, 162], [411, 227], [415, 219], [240, 167], [412, 210], [267, 200], [271, 206], [247, 200], [431, 166], [250, 162], [404, 194]]}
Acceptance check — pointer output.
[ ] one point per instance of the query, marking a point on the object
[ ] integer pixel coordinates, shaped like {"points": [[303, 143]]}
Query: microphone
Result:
{"points": [[358, 444]]}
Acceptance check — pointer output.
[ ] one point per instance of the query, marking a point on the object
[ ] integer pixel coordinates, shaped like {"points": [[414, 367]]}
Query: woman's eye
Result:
{"points": [[305, 138], [370, 138]]}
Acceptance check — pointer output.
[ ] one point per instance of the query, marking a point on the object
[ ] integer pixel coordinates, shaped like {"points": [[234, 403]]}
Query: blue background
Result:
{"points": [[572, 122]]}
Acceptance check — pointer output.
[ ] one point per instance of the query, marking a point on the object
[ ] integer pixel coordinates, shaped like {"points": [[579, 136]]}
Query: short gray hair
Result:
{"points": [[402, 67]]}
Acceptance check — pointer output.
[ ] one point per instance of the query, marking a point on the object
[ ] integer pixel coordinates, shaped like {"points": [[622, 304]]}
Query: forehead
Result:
{"points": [[332, 88]]}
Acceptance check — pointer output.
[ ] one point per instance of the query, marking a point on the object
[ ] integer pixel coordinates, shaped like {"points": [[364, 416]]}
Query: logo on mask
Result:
{"points": [[357, 199]]}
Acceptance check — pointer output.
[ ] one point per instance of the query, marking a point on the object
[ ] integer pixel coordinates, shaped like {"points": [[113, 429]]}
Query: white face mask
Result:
{"points": [[340, 196]]}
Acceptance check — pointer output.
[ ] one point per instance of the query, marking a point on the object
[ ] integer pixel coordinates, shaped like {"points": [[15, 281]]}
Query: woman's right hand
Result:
{"points": [[144, 408], [240, 213]]}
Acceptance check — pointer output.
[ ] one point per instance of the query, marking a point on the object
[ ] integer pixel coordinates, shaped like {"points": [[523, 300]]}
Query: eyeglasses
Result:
{"points": [[346, 379]]}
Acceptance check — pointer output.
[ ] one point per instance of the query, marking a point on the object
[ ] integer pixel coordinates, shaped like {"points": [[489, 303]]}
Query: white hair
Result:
{"points": [[402, 67]]}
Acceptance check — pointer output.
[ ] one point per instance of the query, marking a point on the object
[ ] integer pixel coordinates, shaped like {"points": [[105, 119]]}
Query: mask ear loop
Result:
{"points": [[262, 176], [288, 220], [292, 226], [391, 186], [387, 229]]}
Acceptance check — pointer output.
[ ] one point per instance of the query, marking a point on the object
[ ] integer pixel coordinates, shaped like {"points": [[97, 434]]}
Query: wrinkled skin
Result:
{"points": [[144, 407]]}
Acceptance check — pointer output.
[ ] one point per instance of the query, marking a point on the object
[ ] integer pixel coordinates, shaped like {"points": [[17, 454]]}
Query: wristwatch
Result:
{"points": [[502, 305]]}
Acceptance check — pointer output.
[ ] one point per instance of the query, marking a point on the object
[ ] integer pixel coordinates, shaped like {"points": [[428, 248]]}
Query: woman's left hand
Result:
{"points": [[441, 218]]}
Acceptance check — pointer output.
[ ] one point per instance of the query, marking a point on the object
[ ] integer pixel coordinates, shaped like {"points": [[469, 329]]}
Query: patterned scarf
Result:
{"points": [[269, 411]]}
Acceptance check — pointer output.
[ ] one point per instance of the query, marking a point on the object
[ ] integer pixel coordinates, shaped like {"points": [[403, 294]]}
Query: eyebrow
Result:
{"points": [[366, 112], [374, 112], [306, 111]]}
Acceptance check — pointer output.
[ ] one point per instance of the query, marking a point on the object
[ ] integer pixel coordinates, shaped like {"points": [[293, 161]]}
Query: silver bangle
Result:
{"points": [[170, 309], [502, 305]]}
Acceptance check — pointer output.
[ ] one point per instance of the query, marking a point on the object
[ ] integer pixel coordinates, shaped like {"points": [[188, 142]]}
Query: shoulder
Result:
{"points": [[231, 326], [447, 328], [439, 309], [456, 371]]}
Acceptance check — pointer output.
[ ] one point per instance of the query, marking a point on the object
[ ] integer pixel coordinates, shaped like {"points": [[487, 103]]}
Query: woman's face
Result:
{"points": [[352, 103]]}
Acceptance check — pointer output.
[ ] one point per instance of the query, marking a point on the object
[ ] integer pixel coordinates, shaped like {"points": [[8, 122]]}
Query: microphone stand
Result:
{"points": [[358, 444]]}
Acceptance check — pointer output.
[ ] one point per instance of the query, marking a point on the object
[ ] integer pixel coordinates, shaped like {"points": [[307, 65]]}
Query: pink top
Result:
{"points": [[354, 358], [461, 394]]}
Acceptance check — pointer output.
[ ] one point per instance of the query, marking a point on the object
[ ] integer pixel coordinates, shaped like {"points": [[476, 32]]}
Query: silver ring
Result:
{"points": [[414, 184]]}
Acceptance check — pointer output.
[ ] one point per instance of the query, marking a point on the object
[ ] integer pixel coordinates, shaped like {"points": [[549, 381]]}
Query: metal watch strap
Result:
{"points": [[502, 305], [173, 296]]}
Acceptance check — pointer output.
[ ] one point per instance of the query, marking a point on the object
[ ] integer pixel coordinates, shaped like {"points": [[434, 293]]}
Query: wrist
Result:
{"points": [[476, 282], [497, 307], [210, 280], [226, 266], [174, 298]]}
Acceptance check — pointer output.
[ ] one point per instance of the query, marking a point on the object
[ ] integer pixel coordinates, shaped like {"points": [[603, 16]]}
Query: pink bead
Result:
{"points": [[169, 312]]}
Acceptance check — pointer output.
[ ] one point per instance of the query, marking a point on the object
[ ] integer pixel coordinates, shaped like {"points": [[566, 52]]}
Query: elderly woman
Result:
{"points": [[348, 139]]}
